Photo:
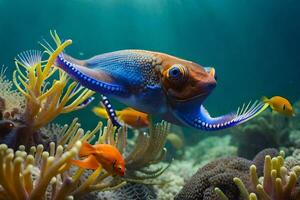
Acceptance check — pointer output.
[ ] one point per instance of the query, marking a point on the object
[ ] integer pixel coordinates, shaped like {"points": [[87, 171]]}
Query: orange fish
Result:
{"points": [[101, 154], [128, 116], [280, 104]]}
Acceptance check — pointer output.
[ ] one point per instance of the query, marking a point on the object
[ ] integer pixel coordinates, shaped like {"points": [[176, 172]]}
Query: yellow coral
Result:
{"points": [[43, 103], [278, 182], [47, 174], [27, 176]]}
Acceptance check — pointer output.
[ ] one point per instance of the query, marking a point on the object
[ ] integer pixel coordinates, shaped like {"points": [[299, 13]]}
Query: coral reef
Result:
{"points": [[210, 148], [134, 191], [47, 174], [140, 160], [278, 182], [269, 130], [35, 175], [220, 174], [174, 178], [149, 149]]}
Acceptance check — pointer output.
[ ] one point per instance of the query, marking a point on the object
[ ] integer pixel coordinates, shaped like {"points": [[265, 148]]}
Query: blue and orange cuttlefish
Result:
{"points": [[159, 84]]}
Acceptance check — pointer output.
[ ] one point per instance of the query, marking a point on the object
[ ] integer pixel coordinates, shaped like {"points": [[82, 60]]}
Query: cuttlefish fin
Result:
{"points": [[89, 163], [200, 118]]}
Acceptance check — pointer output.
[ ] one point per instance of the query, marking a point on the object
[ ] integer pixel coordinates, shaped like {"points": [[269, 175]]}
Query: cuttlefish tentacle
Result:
{"points": [[81, 74], [203, 120], [110, 111]]}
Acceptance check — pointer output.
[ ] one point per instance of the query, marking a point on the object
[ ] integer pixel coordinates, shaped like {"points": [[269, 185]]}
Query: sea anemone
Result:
{"points": [[36, 175], [149, 149], [278, 182]]}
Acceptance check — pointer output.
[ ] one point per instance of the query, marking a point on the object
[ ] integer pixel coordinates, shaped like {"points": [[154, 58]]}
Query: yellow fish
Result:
{"points": [[280, 105], [128, 116]]}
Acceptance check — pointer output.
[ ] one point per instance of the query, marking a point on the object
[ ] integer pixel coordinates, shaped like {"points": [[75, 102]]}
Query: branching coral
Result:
{"points": [[41, 174], [47, 174], [64, 180], [43, 103], [148, 149], [35, 175]]}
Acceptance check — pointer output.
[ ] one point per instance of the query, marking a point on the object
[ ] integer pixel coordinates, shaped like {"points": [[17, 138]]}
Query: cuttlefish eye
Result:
{"points": [[177, 72]]}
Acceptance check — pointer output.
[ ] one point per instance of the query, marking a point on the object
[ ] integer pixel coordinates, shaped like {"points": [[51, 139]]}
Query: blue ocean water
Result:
{"points": [[254, 45]]}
